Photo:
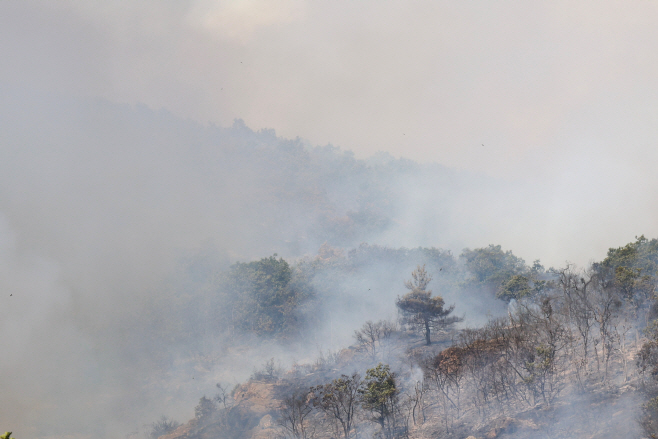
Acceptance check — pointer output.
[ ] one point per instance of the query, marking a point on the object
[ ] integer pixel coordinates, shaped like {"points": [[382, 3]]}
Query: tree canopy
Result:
{"points": [[420, 310], [379, 395], [265, 297], [633, 268], [490, 266]]}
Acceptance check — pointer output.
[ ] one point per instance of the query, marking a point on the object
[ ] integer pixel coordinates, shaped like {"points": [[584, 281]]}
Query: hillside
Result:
{"points": [[149, 257], [275, 194], [599, 410], [574, 356]]}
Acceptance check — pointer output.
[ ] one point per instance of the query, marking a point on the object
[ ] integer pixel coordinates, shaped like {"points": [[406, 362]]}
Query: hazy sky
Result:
{"points": [[508, 88], [561, 96]]}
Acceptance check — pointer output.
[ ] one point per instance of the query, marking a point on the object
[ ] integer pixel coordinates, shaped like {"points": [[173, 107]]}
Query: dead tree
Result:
{"points": [[577, 294], [445, 372], [373, 336], [294, 414], [606, 305], [415, 402], [542, 339]]}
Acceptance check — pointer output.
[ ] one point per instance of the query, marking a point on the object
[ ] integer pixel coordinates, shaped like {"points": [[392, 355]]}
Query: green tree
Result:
{"points": [[490, 266], [518, 287], [339, 400], [420, 310], [265, 297], [632, 269], [641, 254], [380, 396]]}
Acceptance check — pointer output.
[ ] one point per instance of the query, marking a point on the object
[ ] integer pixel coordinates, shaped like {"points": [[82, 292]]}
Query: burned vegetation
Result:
{"points": [[573, 354]]}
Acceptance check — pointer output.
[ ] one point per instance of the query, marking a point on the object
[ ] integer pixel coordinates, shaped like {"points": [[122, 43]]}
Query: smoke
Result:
{"points": [[112, 216], [555, 100], [115, 220]]}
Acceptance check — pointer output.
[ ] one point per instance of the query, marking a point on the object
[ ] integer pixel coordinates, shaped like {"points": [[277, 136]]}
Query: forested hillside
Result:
{"points": [[165, 257], [562, 353], [121, 229], [278, 195], [257, 219]]}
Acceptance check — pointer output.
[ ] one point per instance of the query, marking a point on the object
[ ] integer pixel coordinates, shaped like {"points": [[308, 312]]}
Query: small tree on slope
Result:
{"points": [[420, 310], [379, 395]]}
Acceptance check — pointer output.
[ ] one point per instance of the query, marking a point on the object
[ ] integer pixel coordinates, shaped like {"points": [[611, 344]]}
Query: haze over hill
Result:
{"points": [[146, 148], [556, 99], [105, 205]]}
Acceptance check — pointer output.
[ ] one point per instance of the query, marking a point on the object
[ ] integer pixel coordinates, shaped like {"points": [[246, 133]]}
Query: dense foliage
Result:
{"points": [[380, 396], [265, 297], [489, 267], [633, 268], [566, 335]]}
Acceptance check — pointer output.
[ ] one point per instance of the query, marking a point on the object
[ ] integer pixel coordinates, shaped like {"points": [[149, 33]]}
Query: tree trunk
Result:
{"points": [[427, 333]]}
